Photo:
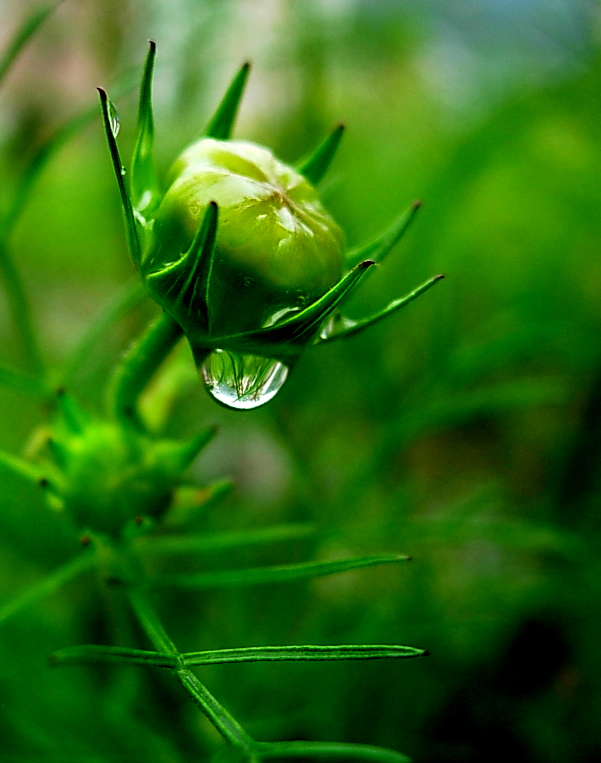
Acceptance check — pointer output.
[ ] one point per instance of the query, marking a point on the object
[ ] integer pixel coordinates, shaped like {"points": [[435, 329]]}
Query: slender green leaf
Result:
{"points": [[20, 311], [47, 586], [220, 126], [381, 246], [191, 502], [225, 723], [177, 544], [316, 166], [39, 161], [111, 128], [301, 653], [23, 34], [345, 327], [27, 470], [89, 653], [144, 182], [346, 751], [125, 298], [279, 574], [22, 382]]}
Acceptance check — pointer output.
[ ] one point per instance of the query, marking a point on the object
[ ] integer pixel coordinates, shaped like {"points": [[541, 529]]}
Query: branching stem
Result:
{"points": [[138, 366]]}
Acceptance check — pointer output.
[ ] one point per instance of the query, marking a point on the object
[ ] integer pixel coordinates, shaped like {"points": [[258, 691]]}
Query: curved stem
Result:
{"points": [[21, 314], [225, 723], [139, 365]]}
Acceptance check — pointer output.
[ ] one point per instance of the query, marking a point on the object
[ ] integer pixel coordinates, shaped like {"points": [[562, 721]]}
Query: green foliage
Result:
{"points": [[465, 433]]}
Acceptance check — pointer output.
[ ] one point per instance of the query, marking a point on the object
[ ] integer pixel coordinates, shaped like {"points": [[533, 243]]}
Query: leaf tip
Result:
{"points": [[415, 205]]}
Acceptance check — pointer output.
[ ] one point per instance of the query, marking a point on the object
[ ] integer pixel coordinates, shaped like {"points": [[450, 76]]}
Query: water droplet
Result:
{"points": [[242, 382], [114, 121]]}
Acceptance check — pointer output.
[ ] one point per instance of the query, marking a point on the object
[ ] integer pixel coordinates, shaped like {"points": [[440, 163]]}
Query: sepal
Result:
{"points": [[185, 283], [221, 124], [341, 327], [381, 246], [287, 339], [316, 165]]}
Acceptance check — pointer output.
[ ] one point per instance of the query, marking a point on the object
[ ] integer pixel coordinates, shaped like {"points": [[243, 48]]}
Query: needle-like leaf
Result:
{"points": [[340, 750], [279, 574], [22, 382], [22, 36], [301, 653], [89, 653], [111, 128], [182, 544], [46, 586]]}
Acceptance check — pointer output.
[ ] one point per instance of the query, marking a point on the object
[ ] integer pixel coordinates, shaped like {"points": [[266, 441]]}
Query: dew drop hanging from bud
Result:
{"points": [[242, 382]]}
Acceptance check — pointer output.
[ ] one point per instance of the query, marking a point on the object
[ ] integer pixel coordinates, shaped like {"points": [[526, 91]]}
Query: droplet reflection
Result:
{"points": [[240, 381]]}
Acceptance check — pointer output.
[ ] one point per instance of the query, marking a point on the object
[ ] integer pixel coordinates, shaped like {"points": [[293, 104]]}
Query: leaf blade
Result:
{"points": [[306, 653], [275, 574]]}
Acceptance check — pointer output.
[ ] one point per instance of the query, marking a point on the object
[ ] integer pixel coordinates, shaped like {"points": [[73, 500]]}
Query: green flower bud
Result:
{"points": [[106, 475], [277, 250], [240, 252]]}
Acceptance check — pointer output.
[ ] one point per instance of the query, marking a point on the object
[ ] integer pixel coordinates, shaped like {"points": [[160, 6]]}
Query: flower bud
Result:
{"points": [[240, 252], [277, 250]]}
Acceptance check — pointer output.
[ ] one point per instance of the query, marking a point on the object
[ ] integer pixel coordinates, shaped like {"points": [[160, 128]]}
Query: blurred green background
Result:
{"points": [[464, 431]]}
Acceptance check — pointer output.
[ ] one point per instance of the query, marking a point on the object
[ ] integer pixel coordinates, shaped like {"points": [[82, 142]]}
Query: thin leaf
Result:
{"points": [[75, 419], [39, 161], [110, 128], [316, 166], [226, 724], [191, 501], [278, 574], [346, 327], [301, 653], [22, 382], [220, 126], [344, 750], [23, 34], [178, 544], [297, 330], [379, 248], [144, 182], [124, 299], [91, 653], [20, 311], [30, 472], [47, 586]]}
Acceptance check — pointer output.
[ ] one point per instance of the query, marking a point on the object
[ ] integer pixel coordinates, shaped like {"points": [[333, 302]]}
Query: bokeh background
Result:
{"points": [[465, 431]]}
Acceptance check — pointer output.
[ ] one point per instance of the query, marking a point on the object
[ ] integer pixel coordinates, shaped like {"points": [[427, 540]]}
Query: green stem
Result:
{"points": [[47, 586], [21, 314], [228, 727], [138, 366]]}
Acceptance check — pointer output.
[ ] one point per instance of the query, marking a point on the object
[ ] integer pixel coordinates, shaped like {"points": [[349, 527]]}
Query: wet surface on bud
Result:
{"points": [[276, 248]]}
